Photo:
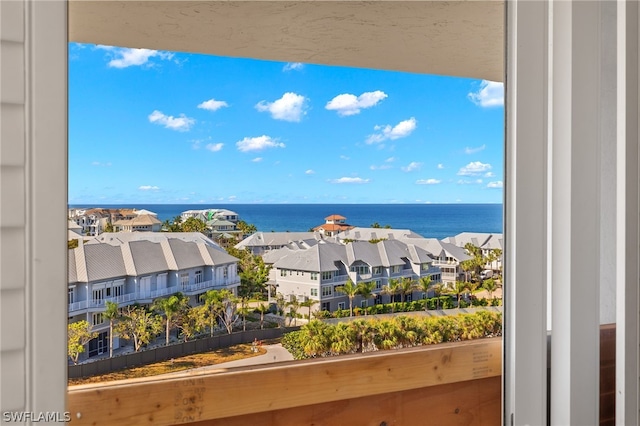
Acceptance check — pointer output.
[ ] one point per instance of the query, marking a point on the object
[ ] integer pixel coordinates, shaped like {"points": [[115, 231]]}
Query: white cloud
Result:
{"points": [[212, 105], [411, 166], [440, 166], [214, 147], [290, 107], [348, 104], [258, 143], [309, 172], [497, 184], [293, 66], [148, 188], [428, 181], [490, 94], [468, 150], [182, 123], [400, 130], [344, 157], [232, 198], [474, 168], [349, 180], [489, 174], [469, 182], [123, 57], [390, 160], [382, 167], [257, 159]]}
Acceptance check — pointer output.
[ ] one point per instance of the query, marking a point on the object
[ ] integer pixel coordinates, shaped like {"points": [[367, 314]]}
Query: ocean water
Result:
{"points": [[429, 220]]}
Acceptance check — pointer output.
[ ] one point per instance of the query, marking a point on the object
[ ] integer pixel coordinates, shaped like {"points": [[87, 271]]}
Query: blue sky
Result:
{"points": [[147, 126]]}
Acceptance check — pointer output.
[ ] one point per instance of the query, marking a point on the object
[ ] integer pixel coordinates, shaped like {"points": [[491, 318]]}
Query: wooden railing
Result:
{"points": [[456, 383]]}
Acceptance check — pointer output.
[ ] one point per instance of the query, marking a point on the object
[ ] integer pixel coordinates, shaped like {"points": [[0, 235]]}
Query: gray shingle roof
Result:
{"points": [[186, 255], [319, 258], [148, 257], [219, 256], [104, 261], [263, 239]]}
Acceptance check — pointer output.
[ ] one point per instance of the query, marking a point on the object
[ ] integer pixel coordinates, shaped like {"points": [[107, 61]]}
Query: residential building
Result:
{"points": [[138, 267], [369, 234], [140, 223], [333, 225], [207, 215], [263, 242], [316, 272], [488, 244], [446, 256]]}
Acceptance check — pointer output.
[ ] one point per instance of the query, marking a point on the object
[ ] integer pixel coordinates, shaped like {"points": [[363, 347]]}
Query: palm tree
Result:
{"points": [[111, 313], [262, 308], [424, 285], [391, 289], [459, 288], [294, 305], [437, 292], [490, 286], [308, 304], [169, 307], [406, 287], [211, 300], [365, 289], [350, 289]]}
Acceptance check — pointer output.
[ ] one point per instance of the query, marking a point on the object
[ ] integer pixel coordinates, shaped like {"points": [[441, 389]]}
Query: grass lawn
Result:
{"points": [[184, 363]]}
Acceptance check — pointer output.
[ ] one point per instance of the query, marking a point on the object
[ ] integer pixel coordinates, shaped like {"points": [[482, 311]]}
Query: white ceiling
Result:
{"points": [[459, 38]]}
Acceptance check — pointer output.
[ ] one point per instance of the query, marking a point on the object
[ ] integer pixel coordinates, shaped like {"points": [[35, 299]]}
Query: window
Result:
{"points": [[424, 266], [363, 303], [314, 276], [327, 290], [70, 295], [326, 306], [198, 277], [225, 271], [98, 295], [314, 292], [396, 269], [360, 269], [184, 279], [327, 275], [378, 284], [283, 273], [377, 270], [341, 305], [97, 318]]}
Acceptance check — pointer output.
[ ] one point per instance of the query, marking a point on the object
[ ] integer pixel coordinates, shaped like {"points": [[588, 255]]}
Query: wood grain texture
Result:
{"points": [[224, 393]]}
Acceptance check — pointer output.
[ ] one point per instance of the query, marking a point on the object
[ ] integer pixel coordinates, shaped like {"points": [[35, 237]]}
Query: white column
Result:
{"points": [[33, 166], [627, 214], [526, 214]]}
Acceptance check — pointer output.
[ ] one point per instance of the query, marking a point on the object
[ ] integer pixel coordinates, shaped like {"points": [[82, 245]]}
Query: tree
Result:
{"points": [[252, 270], [294, 305], [350, 289], [244, 311], [365, 289], [78, 335], [308, 304], [193, 321], [437, 292], [490, 286], [405, 287], [140, 325], [263, 309], [71, 244], [246, 228], [222, 305], [108, 227], [170, 307], [459, 288], [111, 313], [391, 289], [424, 285], [174, 226], [193, 224], [376, 225]]}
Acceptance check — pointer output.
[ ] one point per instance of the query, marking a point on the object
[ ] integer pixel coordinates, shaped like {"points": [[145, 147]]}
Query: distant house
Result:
{"points": [[333, 225], [316, 272], [94, 221], [140, 223], [207, 215], [486, 242], [138, 267], [263, 242]]}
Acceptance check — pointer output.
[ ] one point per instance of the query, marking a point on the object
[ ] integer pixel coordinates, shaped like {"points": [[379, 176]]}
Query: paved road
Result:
{"points": [[275, 353]]}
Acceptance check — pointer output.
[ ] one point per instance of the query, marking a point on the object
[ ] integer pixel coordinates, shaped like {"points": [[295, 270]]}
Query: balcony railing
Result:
{"points": [[151, 294]]}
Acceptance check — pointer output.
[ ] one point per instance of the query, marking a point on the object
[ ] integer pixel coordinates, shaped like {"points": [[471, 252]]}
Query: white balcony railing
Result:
{"points": [[151, 294]]}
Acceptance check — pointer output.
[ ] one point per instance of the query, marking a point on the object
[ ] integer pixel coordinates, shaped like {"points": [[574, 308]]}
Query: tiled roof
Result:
{"points": [[335, 217], [333, 227]]}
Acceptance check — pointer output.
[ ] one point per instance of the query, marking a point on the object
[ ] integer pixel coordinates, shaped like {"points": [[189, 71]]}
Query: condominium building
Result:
{"points": [[138, 267], [316, 272]]}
